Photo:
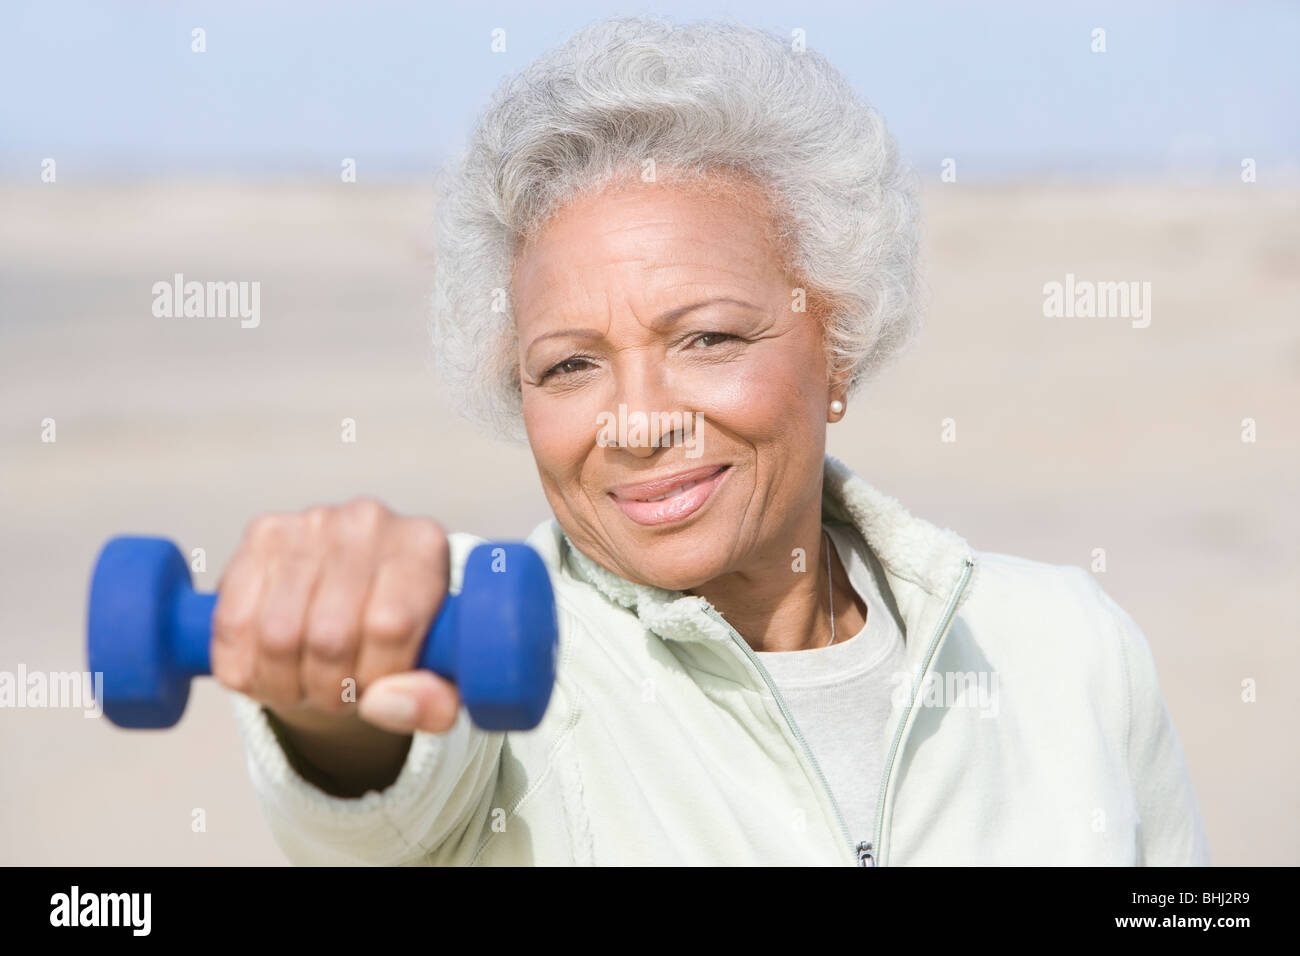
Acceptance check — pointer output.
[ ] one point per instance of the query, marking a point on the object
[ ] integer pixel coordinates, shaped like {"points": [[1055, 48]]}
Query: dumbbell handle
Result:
{"points": [[190, 632]]}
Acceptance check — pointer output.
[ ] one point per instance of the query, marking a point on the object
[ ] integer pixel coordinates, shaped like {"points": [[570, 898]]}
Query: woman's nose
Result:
{"points": [[640, 384], [647, 412]]}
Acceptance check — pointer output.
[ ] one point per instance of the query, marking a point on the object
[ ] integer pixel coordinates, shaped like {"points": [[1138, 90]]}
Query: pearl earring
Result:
{"points": [[837, 406]]}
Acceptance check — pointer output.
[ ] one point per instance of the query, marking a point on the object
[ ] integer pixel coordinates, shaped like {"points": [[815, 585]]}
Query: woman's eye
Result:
{"points": [[567, 367], [711, 338]]}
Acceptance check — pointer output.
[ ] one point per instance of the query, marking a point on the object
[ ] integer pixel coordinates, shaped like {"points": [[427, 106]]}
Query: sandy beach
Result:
{"points": [[1072, 434]]}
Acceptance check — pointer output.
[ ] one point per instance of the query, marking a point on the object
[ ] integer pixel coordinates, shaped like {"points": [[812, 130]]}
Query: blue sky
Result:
{"points": [[1009, 89]]}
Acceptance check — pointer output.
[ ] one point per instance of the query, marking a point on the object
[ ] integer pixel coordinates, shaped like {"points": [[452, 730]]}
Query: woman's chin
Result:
{"points": [[679, 563]]}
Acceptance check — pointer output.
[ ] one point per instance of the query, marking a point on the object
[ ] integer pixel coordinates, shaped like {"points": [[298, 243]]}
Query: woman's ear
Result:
{"points": [[837, 393]]}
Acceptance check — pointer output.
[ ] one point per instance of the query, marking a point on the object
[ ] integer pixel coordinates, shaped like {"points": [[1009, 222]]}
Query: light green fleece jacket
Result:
{"points": [[666, 742]]}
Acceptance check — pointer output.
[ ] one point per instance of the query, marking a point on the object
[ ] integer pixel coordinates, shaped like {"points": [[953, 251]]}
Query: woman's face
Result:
{"points": [[655, 299]]}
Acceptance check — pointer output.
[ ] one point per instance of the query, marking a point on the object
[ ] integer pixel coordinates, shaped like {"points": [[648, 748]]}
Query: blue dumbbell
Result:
{"points": [[149, 631]]}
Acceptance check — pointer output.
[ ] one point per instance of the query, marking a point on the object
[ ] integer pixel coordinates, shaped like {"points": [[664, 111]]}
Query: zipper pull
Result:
{"points": [[866, 856]]}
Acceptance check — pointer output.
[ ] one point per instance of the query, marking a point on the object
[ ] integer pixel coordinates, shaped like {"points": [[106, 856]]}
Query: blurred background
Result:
{"points": [[1164, 149]]}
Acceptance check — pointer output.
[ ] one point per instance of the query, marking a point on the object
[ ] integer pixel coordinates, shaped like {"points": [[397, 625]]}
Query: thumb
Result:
{"points": [[418, 700]]}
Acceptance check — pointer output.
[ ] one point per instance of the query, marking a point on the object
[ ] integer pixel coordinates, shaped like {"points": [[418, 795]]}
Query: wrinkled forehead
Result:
{"points": [[640, 246]]}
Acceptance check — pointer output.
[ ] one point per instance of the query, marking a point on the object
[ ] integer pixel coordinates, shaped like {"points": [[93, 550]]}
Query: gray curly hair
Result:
{"points": [[697, 99]]}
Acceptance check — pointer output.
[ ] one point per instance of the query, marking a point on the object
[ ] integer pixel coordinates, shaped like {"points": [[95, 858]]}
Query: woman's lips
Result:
{"points": [[678, 496]]}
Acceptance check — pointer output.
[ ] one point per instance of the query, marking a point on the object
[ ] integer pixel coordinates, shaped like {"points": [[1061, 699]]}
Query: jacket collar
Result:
{"points": [[921, 562]]}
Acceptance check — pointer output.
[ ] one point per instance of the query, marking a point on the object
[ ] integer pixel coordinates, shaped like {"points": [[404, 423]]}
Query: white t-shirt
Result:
{"points": [[839, 695]]}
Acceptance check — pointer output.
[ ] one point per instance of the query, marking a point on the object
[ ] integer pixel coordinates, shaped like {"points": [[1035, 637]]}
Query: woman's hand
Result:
{"points": [[321, 616]]}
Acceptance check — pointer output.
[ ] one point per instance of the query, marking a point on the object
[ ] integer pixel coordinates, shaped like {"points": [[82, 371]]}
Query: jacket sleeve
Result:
{"points": [[432, 813], [1171, 830]]}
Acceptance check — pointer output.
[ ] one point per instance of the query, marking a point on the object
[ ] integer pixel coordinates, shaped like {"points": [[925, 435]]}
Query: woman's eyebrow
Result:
{"points": [[672, 315], [564, 333], [659, 323]]}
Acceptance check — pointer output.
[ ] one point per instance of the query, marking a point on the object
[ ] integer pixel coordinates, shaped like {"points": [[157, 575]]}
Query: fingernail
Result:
{"points": [[392, 708]]}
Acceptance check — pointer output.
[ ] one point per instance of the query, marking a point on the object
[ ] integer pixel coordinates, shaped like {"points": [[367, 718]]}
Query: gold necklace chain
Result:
{"points": [[830, 585]]}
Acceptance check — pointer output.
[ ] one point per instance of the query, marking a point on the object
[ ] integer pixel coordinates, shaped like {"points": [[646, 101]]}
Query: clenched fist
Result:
{"points": [[332, 599]]}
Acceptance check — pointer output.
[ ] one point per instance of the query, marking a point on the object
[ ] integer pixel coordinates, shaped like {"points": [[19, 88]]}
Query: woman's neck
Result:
{"points": [[782, 602]]}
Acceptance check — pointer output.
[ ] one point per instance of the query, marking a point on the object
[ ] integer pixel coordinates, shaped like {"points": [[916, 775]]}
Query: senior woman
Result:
{"points": [[763, 659]]}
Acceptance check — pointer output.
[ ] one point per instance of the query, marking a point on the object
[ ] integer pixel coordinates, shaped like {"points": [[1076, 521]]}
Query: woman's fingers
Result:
{"points": [[417, 700], [330, 600], [398, 614], [290, 581], [234, 622], [333, 638], [401, 604]]}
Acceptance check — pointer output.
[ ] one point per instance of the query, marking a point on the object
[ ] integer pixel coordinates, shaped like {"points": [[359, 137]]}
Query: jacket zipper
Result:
{"points": [[873, 853], [789, 719], [865, 853]]}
